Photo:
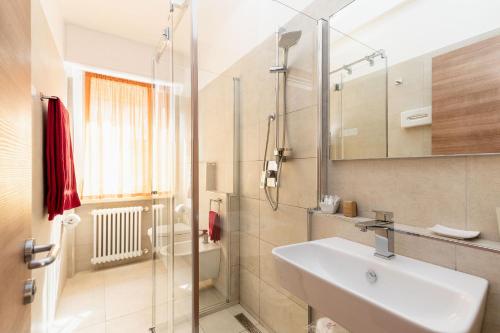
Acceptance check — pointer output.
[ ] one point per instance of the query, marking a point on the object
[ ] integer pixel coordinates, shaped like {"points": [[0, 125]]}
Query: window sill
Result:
{"points": [[124, 199]]}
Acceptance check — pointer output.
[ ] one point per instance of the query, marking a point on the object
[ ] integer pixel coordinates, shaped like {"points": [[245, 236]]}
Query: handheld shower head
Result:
{"points": [[286, 40], [289, 39]]}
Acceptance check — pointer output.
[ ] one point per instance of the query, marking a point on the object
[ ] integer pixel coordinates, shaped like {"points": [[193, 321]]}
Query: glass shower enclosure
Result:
{"points": [[216, 85], [174, 200]]}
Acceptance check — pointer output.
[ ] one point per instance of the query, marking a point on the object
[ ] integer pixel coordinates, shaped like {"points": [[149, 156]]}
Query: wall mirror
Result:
{"points": [[413, 78]]}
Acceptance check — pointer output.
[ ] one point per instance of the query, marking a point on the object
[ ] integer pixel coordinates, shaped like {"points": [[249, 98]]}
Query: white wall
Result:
{"points": [[409, 28], [55, 21], [48, 77], [105, 51]]}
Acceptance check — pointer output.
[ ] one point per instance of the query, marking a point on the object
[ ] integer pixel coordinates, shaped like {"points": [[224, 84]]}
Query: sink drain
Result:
{"points": [[371, 276]]}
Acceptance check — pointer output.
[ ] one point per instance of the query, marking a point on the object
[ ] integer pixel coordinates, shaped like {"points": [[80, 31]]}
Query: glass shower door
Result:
{"points": [[172, 168], [163, 198]]}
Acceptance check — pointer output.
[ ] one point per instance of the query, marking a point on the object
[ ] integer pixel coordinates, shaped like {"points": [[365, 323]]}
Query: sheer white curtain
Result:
{"points": [[125, 141]]}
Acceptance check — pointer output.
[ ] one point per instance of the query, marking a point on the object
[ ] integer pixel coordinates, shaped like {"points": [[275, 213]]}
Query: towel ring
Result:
{"points": [[218, 201]]}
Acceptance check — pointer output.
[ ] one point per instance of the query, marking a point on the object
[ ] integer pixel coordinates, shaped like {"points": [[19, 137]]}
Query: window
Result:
{"points": [[118, 137]]}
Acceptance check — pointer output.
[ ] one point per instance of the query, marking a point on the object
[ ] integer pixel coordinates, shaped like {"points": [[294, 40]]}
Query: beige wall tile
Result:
{"points": [[249, 143], [301, 132], [235, 248], [483, 193], [434, 252], [83, 265], [249, 216], [249, 252], [298, 183], [484, 264], [250, 179], [328, 225], [269, 274], [84, 233], [83, 252], [420, 192], [491, 323], [249, 292], [263, 138], [279, 312], [225, 177], [257, 84], [480, 263], [285, 226]]}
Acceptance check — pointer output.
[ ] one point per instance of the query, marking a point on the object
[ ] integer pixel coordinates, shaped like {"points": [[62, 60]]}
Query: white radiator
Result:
{"points": [[158, 214], [117, 234]]}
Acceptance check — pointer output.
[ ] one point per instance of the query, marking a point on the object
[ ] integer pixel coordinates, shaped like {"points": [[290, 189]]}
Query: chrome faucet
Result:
{"points": [[383, 225]]}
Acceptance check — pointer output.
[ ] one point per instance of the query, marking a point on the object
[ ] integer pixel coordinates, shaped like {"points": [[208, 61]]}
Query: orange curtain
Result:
{"points": [[118, 139]]}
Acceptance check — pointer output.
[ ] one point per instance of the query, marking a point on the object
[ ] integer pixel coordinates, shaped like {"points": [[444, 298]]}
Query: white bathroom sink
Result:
{"points": [[336, 277]]}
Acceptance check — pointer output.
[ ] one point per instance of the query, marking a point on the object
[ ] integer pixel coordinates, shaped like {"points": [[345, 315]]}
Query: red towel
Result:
{"points": [[60, 170], [214, 226]]}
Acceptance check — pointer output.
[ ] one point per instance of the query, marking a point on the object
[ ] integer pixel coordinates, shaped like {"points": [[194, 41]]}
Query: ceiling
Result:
{"points": [[228, 28], [141, 21]]}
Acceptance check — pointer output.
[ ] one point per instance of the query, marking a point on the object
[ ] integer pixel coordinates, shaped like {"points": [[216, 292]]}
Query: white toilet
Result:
{"points": [[182, 232], [209, 253]]}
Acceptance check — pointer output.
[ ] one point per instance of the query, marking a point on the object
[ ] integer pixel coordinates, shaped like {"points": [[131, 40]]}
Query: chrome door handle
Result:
{"points": [[30, 249]]}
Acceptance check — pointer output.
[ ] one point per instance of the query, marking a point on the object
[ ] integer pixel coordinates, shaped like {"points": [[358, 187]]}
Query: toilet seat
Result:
{"points": [[182, 232]]}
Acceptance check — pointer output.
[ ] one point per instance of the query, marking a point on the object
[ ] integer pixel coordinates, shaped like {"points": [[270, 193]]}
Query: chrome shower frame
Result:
{"points": [[323, 139]]}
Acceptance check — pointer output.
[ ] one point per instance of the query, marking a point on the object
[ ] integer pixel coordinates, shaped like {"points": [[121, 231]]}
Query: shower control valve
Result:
{"points": [[272, 166], [269, 176], [268, 179]]}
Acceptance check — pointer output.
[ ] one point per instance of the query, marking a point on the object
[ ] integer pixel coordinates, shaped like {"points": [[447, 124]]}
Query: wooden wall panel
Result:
{"points": [[466, 99], [15, 161]]}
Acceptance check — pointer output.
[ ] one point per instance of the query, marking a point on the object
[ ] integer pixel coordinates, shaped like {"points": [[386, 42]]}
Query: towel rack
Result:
{"points": [[218, 201], [42, 97]]}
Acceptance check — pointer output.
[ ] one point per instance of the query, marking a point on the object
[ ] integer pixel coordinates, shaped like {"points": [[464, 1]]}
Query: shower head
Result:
{"points": [[286, 40], [289, 39]]}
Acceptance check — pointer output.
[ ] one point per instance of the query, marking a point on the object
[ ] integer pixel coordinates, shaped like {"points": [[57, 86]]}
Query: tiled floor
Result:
{"points": [[119, 300], [108, 300]]}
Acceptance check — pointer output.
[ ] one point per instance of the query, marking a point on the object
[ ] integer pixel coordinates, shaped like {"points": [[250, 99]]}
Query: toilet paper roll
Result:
{"points": [[71, 220], [325, 325]]}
